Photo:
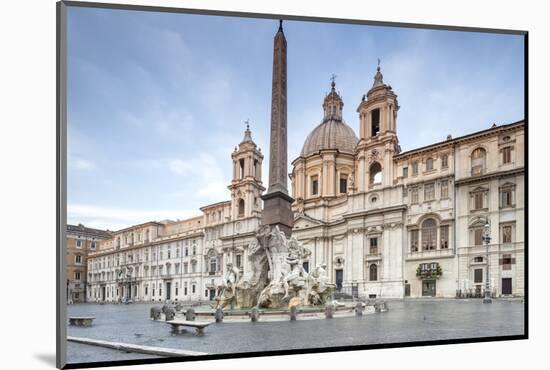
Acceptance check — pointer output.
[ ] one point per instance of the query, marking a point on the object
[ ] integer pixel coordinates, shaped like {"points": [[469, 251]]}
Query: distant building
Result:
{"points": [[80, 241]]}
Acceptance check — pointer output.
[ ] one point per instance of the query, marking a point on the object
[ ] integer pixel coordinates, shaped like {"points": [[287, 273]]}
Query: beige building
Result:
{"points": [[387, 223], [81, 240], [394, 224], [183, 260]]}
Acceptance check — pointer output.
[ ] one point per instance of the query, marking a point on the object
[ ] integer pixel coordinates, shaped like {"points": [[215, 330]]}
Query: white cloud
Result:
{"points": [[81, 164], [113, 218]]}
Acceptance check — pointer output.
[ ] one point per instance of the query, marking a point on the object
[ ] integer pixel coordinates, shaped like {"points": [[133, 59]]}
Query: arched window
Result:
{"points": [[241, 168], [478, 161], [373, 272], [241, 207], [429, 234], [375, 173]]}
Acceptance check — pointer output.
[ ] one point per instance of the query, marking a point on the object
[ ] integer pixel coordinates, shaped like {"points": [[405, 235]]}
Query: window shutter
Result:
{"points": [[513, 261]]}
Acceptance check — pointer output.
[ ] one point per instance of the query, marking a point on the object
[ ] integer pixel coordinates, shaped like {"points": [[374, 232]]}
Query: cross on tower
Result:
{"points": [[378, 68], [332, 78], [247, 124]]}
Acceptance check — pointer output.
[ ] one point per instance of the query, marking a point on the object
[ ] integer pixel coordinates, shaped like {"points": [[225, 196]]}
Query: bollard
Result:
{"points": [[329, 311], [359, 309], [219, 314], [254, 314], [170, 314], [293, 313], [190, 314]]}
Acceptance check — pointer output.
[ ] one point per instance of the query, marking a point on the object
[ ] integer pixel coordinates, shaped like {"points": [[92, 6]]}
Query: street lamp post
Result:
{"points": [[487, 239]]}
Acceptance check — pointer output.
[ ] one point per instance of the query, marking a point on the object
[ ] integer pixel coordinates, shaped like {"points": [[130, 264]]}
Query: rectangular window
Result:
{"points": [[429, 238], [507, 262], [314, 185], [375, 122], [507, 155], [414, 195], [77, 275], [78, 259], [429, 164], [92, 246], [238, 260], [478, 200], [405, 172], [478, 236], [429, 192], [373, 245], [478, 276], [414, 241], [343, 184], [79, 244], [415, 168], [507, 234], [444, 161], [444, 189], [444, 237], [213, 265], [506, 198], [193, 288]]}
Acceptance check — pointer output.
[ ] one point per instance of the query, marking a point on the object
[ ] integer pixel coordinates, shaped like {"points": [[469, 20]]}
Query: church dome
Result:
{"points": [[331, 134]]}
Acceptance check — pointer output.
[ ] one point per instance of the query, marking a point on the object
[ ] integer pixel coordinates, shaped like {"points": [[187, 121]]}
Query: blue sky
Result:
{"points": [[156, 101]]}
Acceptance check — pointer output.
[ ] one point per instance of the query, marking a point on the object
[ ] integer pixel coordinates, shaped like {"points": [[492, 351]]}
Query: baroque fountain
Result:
{"points": [[277, 278]]}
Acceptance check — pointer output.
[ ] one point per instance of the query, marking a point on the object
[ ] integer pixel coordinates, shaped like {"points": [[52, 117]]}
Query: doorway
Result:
{"points": [[168, 290], [428, 288], [212, 294], [339, 279], [506, 286], [103, 294]]}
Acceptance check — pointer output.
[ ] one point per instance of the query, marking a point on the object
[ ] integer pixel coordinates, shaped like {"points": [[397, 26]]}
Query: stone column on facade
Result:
{"points": [[386, 258], [331, 177], [362, 172], [348, 258]]}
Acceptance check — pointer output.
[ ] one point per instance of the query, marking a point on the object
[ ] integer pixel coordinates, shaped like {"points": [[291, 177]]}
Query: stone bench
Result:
{"points": [[198, 325], [81, 320]]}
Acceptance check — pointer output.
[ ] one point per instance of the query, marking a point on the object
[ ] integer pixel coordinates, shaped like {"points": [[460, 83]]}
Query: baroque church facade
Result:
{"points": [[386, 223], [394, 224]]}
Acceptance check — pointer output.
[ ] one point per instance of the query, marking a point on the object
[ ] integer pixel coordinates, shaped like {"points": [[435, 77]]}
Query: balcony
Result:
{"points": [[373, 256], [433, 253]]}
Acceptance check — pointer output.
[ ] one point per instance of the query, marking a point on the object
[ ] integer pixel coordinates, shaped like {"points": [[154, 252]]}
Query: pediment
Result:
{"points": [[304, 221]]}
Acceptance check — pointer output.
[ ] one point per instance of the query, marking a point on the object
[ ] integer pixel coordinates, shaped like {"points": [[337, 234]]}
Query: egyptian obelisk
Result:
{"points": [[277, 210]]}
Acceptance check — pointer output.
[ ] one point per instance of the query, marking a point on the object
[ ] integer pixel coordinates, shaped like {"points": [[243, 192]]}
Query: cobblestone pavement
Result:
{"points": [[406, 321]]}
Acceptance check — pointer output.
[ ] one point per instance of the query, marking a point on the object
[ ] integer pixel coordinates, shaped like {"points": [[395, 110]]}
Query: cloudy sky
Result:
{"points": [[156, 101]]}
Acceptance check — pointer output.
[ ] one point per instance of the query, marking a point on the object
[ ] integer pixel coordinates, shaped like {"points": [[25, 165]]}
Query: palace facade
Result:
{"points": [[387, 223], [81, 240]]}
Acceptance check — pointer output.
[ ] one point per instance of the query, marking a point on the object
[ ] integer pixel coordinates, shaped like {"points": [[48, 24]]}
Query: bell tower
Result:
{"points": [[246, 187], [378, 141]]}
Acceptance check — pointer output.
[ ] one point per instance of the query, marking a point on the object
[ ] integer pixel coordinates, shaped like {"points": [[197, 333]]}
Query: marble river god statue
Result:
{"points": [[276, 275]]}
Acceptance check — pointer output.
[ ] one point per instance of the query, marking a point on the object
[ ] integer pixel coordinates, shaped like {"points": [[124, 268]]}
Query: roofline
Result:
{"points": [[215, 204], [460, 138], [139, 225]]}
